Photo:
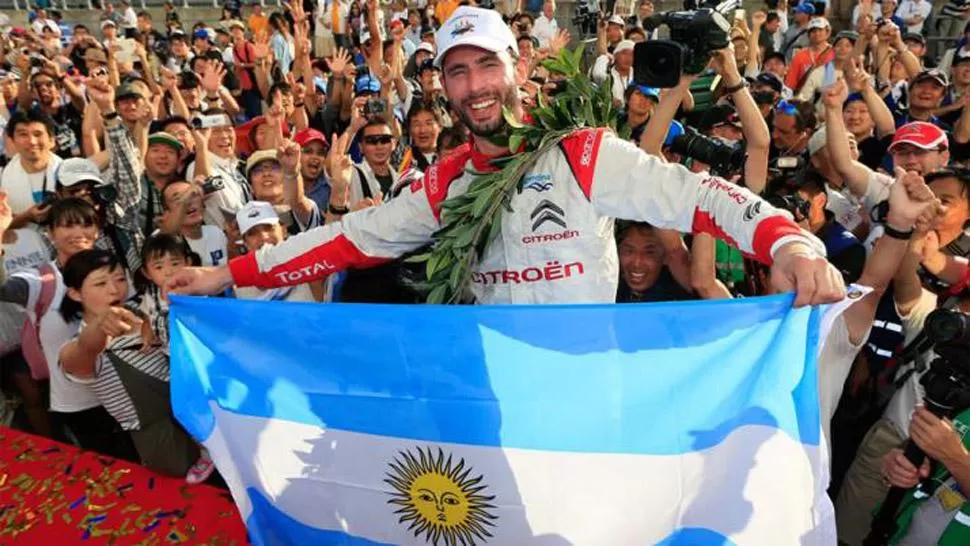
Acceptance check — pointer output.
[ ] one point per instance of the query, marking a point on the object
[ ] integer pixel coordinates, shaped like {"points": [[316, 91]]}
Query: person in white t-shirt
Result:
{"points": [[182, 215], [28, 178], [260, 225], [914, 14], [546, 28], [74, 226]]}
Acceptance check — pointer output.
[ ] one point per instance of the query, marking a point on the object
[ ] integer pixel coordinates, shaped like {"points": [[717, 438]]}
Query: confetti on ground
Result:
{"points": [[48, 490]]}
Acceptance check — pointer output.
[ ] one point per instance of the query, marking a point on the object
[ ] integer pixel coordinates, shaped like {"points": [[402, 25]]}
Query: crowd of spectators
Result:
{"points": [[139, 147]]}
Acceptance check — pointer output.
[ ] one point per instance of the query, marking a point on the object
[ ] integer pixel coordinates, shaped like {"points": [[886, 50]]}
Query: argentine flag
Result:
{"points": [[690, 423]]}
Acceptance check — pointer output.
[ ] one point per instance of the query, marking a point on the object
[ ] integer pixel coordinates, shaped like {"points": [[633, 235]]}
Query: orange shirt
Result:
{"points": [[802, 62], [258, 24], [444, 9]]}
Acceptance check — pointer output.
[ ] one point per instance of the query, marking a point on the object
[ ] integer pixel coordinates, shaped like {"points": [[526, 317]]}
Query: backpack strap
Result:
{"points": [[48, 284], [364, 183]]}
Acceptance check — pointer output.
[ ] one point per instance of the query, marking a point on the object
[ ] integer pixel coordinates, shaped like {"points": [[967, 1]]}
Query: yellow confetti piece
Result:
{"points": [[130, 508], [100, 507], [66, 517]]}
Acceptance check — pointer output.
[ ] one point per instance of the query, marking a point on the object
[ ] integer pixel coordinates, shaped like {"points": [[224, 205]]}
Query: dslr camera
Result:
{"points": [[694, 36], [723, 159]]}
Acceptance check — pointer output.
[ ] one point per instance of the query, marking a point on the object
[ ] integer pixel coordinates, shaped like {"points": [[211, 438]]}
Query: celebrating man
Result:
{"points": [[556, 245]]}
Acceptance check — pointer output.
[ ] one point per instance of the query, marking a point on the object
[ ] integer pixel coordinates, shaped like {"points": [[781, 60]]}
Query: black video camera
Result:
{"points": [[694, 36], [723, 159], [584, 17], [793, 203]]}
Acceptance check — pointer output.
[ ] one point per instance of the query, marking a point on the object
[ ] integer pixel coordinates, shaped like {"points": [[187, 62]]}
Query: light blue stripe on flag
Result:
{"points": [[306, 408]]}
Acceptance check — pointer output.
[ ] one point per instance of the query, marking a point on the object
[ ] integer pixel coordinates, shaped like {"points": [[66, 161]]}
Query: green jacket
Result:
{"points": [[957, 532]]}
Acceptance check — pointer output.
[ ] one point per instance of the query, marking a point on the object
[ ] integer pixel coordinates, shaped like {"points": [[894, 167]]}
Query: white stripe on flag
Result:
{"points": [[755, 487]]}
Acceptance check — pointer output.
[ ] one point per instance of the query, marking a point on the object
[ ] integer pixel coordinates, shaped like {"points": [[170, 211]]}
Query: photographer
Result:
{"points": [[793, 123], [842, 248], [617, 67], [935, 511], [609, 34]]}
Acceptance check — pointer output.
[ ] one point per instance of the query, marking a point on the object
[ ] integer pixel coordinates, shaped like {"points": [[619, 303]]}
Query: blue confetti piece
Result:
{"points": [[97, 519], [151, 525], [78, 502]]}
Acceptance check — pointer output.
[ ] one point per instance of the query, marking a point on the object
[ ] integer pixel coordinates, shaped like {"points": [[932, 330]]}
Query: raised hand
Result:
{"points": [[758, 19], [340, 61], [339, 163], [102, 94], [212, 76], [274, 116], [911, 201], [288, 155], [559, 41], [856, 76], [726, 64], [834, 97]]}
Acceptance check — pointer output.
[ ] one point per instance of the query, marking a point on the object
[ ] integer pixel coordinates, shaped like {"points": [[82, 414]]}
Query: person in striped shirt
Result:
{"points": [[118, 357]]}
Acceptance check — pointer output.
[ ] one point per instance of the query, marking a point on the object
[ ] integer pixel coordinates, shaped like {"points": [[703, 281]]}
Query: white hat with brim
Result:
{"points": [[624, 45], [77, 170], [482, 28], [108, 23], [256, 213]]}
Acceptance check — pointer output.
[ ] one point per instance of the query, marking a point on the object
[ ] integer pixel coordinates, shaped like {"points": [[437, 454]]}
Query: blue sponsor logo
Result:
{"points": [[537, 182]]}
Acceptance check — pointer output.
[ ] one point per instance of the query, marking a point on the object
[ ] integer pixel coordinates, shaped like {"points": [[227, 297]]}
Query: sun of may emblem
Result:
{"points": [[440, 499]]}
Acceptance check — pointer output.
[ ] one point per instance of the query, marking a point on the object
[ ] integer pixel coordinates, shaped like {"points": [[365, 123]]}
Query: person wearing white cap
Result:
{"points": [[259, 225], [556, 244], [818, 53], [619, 67], [609, 34], [847, 210]]}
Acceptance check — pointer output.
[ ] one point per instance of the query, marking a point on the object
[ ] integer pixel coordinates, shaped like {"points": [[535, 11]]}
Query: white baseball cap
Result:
{"points": [[256, 213], [617, 20], [76, 170], [624, 45], [477, 27], [819, 23], [425, 46]]}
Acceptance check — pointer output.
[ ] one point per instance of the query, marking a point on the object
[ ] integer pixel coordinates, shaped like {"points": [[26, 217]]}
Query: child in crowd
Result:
{"points": [[117, 355]]}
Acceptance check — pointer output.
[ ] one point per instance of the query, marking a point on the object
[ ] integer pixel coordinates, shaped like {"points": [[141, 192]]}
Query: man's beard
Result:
{"points": [[490, 129]]}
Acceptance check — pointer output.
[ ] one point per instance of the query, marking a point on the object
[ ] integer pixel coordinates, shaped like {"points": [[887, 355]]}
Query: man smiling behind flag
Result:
{"points": [[595, 177]]}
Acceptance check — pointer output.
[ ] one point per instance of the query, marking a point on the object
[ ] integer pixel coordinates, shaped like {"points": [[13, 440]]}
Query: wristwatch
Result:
{"points": [[337, 210]]}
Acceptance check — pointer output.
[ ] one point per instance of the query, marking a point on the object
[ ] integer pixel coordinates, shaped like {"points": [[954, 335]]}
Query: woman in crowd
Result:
{"points": [[73, 226]]}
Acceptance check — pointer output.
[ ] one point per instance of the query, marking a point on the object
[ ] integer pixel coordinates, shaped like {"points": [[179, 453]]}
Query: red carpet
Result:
{"points": [[55, 494]]}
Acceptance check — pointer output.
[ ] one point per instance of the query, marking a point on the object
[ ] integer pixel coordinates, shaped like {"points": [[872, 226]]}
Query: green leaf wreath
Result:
{"points": [[470, 221]]}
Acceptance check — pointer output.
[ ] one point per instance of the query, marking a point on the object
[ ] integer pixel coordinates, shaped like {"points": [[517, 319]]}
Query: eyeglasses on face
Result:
{"points": [[267, 167]]}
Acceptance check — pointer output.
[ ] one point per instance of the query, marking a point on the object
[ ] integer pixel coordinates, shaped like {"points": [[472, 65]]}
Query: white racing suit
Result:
{"points": [[556, 246]]}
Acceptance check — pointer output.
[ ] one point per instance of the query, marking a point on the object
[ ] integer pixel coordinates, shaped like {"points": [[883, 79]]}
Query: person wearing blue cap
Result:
{"points": [[796, 37], [640, 101]]}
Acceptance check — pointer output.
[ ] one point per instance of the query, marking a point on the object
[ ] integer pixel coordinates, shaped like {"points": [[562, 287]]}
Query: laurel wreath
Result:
{"points": [[470, 221]]}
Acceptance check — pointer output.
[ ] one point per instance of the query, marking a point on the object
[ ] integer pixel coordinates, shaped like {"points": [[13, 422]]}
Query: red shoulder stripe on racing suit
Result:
{"points": [[362, 239], [580, 148], [626, 183]]}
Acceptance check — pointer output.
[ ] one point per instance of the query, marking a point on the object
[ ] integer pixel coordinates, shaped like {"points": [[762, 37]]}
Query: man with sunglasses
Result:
{"points": [[593, 177], [793, 123], [374, 177]]}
